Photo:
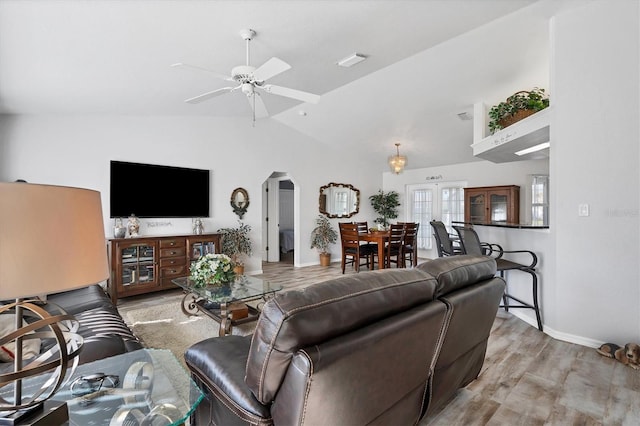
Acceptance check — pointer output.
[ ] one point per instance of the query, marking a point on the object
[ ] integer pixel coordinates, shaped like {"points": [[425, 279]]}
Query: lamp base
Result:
{"points": [[49, 413]]}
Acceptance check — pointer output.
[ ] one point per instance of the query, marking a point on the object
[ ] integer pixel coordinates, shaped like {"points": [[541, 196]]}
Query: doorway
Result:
{"points": [[279, 229]]}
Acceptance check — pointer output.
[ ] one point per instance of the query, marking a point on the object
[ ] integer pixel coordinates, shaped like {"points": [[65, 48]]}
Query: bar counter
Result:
{"points": [[503, 225]]}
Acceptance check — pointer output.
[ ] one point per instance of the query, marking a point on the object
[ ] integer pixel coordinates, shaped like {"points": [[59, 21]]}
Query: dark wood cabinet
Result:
{"points": [[145, 264], [492, 204]]}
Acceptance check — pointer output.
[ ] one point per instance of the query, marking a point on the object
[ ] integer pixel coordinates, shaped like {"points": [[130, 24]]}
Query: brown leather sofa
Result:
{"points": [[382, 347], [103, 330]]}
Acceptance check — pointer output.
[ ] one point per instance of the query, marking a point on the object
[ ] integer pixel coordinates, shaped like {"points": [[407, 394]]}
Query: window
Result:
{"points": [[540, 200], [440, 201]]}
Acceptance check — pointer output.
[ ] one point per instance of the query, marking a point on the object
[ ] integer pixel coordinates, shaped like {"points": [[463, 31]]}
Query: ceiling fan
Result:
{"points": [[249, 78]]}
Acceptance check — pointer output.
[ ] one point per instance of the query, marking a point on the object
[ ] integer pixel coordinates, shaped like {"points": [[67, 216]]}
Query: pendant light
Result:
{"points": [[397, 162]]}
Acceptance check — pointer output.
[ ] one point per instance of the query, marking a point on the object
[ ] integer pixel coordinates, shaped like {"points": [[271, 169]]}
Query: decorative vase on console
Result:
{"points": [[119, 230], [198, 226], [133, 225]]}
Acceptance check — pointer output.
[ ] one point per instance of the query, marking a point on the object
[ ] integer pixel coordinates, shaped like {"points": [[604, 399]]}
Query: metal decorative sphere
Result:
{"points": [[40, 377]]}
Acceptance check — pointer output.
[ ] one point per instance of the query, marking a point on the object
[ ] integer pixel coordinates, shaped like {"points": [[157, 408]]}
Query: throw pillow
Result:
{"points": [[30, 347]]}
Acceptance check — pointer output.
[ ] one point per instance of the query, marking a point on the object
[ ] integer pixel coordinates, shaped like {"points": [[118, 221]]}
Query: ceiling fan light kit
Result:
{"points": [[249, 78]]}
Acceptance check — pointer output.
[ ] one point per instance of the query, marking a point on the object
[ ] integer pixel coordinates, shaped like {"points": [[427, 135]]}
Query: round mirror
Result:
{"points": [[339, 200], [240, 201]]}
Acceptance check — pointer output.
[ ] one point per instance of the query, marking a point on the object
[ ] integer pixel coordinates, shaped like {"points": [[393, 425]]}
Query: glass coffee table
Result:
{"points": [[142, 387], [226, 304]]}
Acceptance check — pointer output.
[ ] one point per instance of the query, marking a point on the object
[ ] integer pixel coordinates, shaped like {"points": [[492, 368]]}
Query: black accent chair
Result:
{"points": [[471, 244], [444, 241]]}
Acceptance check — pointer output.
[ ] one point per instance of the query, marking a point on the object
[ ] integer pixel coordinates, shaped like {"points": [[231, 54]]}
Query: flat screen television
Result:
{"points": [[150, 190]]}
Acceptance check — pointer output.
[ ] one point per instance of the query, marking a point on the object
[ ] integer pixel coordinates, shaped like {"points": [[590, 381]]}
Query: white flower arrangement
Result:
{"points": [[212, 269]]}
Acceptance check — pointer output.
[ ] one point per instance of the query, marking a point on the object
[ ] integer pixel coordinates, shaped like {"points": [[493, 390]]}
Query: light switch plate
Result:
{"points": [[583, 210]]}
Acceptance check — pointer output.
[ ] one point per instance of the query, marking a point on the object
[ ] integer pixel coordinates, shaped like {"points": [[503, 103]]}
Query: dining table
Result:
{"points": [[380, 238]]}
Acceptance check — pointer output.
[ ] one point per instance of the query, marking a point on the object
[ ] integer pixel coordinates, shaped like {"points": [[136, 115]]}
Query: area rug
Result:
{"points": [[165, 326]]}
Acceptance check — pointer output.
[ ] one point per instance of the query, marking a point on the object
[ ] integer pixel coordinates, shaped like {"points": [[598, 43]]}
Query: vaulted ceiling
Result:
{"points": [[427, 61]]}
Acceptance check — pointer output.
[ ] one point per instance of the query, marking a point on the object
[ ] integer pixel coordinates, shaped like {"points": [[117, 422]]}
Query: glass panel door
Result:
{"points": [[498, 208]]}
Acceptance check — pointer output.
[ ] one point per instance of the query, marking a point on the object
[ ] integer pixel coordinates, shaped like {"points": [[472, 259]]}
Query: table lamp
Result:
{"points": [[51, 239]]}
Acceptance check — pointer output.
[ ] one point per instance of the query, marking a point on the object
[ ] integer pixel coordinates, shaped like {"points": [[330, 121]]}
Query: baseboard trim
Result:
{"points": [[559, 335]]}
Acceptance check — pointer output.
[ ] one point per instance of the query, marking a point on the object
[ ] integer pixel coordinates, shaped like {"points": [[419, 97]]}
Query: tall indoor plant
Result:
{"points": [[236, 243], [386, 205], [321, 236]]}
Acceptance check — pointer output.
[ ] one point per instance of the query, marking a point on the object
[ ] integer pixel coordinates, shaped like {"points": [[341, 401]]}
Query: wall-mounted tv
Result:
{"points": [[150, 190]]}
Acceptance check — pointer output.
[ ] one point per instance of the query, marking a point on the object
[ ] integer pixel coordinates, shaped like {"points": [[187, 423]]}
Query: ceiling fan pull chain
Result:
{"points": [[254, 111]]}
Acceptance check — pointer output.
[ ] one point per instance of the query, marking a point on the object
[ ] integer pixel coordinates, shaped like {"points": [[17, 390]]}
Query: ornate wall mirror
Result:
{"points": [[339, 200], [240, 201]]}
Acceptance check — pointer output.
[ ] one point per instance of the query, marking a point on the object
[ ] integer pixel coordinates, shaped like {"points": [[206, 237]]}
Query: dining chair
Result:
{"points": [[363, 228], [471, 244], [352, 250], [393, 252], [409, 244]]}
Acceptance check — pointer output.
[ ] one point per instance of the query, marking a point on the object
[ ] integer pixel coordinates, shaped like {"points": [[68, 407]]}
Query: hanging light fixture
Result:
{"points": [[397, 162]]}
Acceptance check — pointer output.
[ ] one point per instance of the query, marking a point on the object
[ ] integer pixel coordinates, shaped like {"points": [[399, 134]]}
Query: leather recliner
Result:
{"points": [[380, 347]]}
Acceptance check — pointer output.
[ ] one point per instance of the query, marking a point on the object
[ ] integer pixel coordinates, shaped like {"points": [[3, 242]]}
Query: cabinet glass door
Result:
{"points": [[138, 265], [477, 208], [499, 204]]}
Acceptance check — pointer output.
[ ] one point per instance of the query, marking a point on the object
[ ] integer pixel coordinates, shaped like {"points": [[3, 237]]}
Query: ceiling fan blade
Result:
{"points": [[292, 93], [209, 95], [272, 67], [258, 106], [195, 67]]}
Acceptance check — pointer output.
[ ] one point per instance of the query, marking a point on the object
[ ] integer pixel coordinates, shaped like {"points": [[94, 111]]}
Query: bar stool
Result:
{"points": [[470, 243]]}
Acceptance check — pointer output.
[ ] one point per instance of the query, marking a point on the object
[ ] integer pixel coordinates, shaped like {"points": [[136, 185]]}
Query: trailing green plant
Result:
{"points": [[236, 242], [535, 100], [386, 205], [323, 234]]}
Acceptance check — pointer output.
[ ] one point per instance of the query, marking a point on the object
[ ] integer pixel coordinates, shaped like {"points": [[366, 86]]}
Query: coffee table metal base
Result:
{"points": [[220, 312]]}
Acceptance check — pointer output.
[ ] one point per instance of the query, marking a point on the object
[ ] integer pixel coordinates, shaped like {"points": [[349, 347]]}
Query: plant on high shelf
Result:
{"points": [[321, 236], [236, 243], [386, 205], [517, 106]]}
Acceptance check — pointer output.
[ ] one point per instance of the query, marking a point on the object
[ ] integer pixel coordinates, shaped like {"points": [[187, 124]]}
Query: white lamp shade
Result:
{"points": [[51, 239]]}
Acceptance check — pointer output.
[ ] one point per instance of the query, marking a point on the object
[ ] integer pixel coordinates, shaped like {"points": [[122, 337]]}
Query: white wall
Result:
{"points": [[76, 150], [594, 160]]}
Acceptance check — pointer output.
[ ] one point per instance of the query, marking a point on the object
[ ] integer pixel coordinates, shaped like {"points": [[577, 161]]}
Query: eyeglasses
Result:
{"points": [[85, 385]]}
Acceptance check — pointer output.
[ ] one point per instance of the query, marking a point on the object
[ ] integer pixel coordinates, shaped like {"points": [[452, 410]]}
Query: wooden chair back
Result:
{"points": [[394, 245]]}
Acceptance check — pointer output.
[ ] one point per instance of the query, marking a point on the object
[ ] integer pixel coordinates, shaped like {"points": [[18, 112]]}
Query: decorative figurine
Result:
{"points": [[133, 225]]}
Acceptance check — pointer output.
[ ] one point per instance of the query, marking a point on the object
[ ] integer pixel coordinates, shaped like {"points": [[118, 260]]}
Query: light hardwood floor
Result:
{"points": [[528, 378]]}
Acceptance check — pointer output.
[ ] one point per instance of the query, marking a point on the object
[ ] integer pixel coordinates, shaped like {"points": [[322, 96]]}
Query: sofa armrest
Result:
{"points": [[218, 365]]}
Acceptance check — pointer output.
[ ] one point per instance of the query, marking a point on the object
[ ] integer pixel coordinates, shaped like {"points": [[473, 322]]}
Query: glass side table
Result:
{"points": [[147, 386], [217, 301]]}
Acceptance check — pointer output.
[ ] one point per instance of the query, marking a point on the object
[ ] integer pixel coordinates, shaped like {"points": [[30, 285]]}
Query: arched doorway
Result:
{"points": [[279, 218]]}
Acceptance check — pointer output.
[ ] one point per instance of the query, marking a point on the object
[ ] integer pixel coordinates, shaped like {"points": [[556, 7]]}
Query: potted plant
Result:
{"points": [[236, 243], [386, 205], [321, 236], [516, 107]]}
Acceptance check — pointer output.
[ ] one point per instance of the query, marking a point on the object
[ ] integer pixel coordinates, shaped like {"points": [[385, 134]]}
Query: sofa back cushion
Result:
{"points": [[456, 272], [302, 318], [468, 286]]}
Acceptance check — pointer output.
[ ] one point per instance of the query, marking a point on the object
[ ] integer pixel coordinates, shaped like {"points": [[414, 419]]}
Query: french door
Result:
{"points": [[434, 201]]}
